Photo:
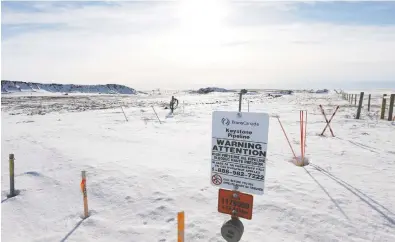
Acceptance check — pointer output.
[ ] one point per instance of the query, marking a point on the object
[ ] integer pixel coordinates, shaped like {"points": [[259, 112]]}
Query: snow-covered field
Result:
{"points": [[141, 173]]}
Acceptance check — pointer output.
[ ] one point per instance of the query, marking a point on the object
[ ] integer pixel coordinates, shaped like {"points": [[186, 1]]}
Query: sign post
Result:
{"points": [[243, 91], [238, 162]]}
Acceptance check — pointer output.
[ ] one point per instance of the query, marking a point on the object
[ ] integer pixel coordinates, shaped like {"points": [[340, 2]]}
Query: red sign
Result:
{"points": [[235, 203]]}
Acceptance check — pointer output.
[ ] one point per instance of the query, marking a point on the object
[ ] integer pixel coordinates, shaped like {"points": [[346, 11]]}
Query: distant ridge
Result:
{"points": [[211, 89], [20, 86]]}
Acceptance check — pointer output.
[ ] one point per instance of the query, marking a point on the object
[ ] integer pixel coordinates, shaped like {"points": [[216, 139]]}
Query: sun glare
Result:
{"points": [[196, 42], [201, 22]]}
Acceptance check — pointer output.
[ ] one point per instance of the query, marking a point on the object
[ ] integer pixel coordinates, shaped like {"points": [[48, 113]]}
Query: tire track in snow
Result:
{"points": [[362, 196]]}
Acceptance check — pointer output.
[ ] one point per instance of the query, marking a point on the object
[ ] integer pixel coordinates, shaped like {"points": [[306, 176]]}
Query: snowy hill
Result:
{"points": [[210, 89], [19, 86]]}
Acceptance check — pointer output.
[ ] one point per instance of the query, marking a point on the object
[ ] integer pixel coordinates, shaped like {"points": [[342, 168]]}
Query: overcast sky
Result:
{"points": [[194, 43]]}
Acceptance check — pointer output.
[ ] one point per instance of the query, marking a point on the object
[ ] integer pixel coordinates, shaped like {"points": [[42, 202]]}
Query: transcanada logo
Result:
{"points": [[245, 123], [225, 121]]}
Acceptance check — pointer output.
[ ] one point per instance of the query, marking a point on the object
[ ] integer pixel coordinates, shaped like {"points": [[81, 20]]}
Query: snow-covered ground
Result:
{"points": [[141, 173]]}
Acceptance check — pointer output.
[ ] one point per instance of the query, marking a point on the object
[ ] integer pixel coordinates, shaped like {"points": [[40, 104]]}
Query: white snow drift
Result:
{"points": [[141, 173]]}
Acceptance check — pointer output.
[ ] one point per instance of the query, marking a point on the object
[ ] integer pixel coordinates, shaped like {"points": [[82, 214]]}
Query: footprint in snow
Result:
{"points": [[32, 173], [170, 220]]}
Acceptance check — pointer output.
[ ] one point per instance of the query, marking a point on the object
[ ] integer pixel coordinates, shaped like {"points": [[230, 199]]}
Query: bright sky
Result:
{"points": [[195, 43]]}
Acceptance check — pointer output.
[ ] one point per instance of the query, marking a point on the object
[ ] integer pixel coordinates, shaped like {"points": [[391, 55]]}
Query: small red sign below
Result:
{"points": [[235, 203]]}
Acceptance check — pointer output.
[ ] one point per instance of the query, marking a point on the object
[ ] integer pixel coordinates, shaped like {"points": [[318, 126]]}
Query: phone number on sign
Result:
{"points": [[240, 174]]}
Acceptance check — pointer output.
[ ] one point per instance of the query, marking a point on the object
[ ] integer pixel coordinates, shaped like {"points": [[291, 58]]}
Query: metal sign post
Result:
{"points": [[243, 91], [239, 145]]}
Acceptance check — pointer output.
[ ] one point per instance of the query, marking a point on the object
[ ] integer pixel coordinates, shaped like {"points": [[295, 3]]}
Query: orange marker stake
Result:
{"points": [[305, 134], [84, 193], [301, 135], [181, 226], [285, 134]]}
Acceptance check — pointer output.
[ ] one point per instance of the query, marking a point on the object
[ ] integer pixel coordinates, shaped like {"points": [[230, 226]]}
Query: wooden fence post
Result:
{"points": [[360, 105], [355, 100], [369, 102], [383, 107], [391, 107], [12, 180]]}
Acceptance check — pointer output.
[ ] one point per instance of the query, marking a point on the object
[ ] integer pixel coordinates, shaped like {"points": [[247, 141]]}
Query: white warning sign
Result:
{"points": [[238, 151]]}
